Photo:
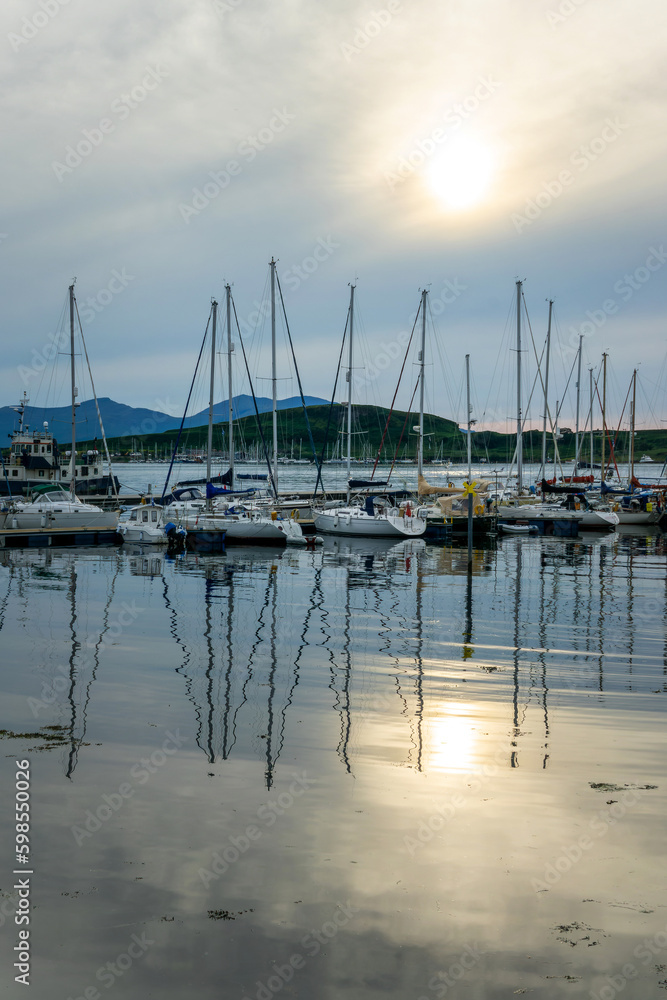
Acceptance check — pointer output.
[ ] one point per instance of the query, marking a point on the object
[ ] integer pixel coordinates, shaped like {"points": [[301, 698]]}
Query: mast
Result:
{"points": [[590, 389], [230, 405], [420, 452], [72, 484], [349, 394], [576, 433], [469, 409], [632, 425], [546, 396], [604, 412], [274, 380], [209, 446], [519, 428]]}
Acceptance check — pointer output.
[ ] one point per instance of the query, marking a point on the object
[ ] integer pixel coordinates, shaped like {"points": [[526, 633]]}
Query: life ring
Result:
{"points": [[478, 510]]}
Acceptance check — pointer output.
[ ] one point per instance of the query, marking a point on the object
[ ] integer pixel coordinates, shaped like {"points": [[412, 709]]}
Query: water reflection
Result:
{"points": [[398, 629], [451, 724]]}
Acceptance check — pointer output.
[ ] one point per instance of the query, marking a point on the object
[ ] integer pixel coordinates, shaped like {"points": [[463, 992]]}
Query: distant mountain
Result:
{"points": [[243, 407], [130, 421]]}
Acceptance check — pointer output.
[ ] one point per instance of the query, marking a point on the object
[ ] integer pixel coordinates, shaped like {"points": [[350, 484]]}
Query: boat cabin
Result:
{"points": [[145, 514]]}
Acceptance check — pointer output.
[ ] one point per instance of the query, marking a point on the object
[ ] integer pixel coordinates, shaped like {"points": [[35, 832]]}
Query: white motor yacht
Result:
{"points": [[145, 524], [53, 507]]}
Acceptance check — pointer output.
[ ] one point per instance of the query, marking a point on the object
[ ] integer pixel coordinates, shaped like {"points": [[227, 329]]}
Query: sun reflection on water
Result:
{"points": [[452, 737]]}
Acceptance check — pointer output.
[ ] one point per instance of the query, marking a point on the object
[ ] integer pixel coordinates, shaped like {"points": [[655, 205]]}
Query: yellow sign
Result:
{"points": [[469, 487]]}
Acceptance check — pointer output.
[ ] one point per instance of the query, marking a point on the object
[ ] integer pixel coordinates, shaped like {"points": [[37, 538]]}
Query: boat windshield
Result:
{"points": [[56, 496]]}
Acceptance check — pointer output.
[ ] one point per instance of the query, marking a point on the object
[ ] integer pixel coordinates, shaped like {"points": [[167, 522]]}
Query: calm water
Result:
{"points": [[137, 476], [350, 773]]}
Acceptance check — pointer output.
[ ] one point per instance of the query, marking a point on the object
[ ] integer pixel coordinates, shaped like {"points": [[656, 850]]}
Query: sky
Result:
{"points": [[156, 150]]}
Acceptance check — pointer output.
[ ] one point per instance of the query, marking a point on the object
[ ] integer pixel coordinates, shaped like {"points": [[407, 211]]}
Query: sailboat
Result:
{"points": [[51, 505], [377, 518], [225, 514]]}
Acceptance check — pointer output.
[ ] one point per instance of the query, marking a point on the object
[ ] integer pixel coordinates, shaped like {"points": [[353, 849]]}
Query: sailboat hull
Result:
{"points": [[245, 530], [355, 522]]}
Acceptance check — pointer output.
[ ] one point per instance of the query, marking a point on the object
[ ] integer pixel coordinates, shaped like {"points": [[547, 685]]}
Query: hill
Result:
{"points": [[130, 421], [444, 439]]}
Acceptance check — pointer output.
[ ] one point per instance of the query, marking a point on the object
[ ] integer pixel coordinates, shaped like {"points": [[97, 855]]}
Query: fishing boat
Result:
{"points": [[35, 459], [51, 505]]}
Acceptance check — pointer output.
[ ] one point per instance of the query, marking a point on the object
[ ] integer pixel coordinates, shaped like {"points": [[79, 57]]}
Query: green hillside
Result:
{"points": [[444, 440]]}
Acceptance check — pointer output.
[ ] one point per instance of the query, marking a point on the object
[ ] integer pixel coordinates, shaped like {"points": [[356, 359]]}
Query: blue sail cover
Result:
{"points": [[619, 491], [214, 491]]}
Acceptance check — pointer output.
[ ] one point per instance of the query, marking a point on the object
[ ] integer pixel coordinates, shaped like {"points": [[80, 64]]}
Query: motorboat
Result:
{"points": [[145, 524], [53, 507]]}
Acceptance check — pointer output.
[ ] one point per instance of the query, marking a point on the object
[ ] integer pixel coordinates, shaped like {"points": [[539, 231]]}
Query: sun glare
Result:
{"points": [[452, 740], [460, 175]]}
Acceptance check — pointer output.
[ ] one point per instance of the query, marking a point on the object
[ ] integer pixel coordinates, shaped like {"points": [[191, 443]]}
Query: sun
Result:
{"points": [[461, 174]]}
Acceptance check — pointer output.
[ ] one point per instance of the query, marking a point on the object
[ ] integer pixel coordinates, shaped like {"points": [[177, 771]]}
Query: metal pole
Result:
{"points": [[469, 409], [632, 425], [590, 389], [543, 474], [230, 349], [72, 485], [576, 433], [211, 400], [604, 414], [519, 428], [349, 394], [420, 452], [273, 376]]}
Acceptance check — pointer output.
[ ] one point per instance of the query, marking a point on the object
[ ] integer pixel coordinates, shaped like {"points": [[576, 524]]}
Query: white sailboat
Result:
{"points": [[371, 521], [228, 516], [377, 518], [51, 505]]}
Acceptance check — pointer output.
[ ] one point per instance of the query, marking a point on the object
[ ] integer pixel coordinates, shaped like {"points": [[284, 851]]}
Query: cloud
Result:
{"points": [[227, 69]]}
